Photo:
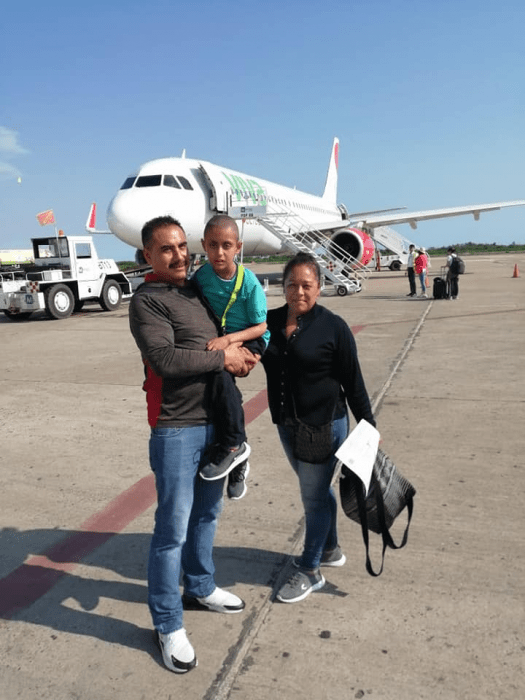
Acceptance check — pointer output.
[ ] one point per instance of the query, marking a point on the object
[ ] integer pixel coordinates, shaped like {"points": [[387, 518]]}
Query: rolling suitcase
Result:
{"points": [[440, 288]]}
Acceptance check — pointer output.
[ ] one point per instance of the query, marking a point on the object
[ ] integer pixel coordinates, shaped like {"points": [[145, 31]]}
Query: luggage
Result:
{"points": [[440, 290], [457, 266]]}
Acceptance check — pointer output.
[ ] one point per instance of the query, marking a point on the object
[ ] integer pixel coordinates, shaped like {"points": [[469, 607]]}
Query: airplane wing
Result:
{"points": [[413, 217]]}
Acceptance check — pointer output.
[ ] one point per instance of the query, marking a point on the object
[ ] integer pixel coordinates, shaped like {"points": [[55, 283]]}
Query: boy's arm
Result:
{"points": [[250, 333]]}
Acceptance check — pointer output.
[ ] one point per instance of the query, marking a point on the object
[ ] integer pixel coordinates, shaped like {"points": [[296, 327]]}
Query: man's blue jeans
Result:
{"points": [[320, 505], [185, 522]]}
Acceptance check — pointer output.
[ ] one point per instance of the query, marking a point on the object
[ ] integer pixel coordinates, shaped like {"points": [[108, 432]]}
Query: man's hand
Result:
{"points": [[220, 343], [238, 360]]}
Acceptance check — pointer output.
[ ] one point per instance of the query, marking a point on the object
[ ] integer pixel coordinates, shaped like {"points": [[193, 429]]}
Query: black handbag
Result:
{"points": [[311, 443], [388, 495]]}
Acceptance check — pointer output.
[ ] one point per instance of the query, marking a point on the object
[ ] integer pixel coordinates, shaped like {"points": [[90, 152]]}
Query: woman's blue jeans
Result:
{"points": [[320, 505], [185, 522]]}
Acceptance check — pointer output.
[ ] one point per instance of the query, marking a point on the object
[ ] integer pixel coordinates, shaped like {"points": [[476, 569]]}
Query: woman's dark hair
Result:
{"points": [[302, 259]]}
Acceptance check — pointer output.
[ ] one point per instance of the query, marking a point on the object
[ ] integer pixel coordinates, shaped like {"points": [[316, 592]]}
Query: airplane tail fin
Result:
{"points": [[330, 188], [92, 218], [91, 222]]}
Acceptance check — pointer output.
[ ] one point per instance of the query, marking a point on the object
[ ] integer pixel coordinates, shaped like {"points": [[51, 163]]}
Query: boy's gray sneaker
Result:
{"points": [[237, 481], [335, 557], [300, 584], [232, 458]]}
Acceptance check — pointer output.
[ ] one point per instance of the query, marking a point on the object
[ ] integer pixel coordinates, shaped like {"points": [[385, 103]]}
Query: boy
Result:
{"points": [[238, 300]]}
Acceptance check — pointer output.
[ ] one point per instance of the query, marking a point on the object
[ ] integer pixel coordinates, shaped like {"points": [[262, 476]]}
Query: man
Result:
{"points": [[410, 270], [452, 273], [171, 324]]}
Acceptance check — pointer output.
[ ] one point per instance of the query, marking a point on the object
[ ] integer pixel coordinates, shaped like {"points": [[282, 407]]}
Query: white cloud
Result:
{"points": [[8, 171], [9, 145], [9, 148]]}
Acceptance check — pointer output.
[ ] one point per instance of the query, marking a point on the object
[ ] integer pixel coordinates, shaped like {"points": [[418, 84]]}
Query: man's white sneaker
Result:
{"points": [[177, 653], [219, 601]]}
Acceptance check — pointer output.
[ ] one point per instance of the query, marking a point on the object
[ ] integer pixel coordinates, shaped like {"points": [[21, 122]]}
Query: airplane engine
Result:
{"points": [[356, 243]]}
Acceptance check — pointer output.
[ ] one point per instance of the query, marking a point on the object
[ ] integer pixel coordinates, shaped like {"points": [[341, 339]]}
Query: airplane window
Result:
{"points": [[148, 181], [128, 183], [170, 181], [184, 182]]}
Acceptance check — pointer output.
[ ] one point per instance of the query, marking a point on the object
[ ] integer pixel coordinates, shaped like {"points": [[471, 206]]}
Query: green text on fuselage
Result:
{"points": [[243, 190]]}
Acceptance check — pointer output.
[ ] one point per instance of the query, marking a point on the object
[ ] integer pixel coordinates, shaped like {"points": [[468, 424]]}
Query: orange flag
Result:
{"points": [[46, 217]]}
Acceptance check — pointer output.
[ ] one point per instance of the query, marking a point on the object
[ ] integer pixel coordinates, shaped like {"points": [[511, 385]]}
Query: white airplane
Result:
{"points": [[193, 191]]}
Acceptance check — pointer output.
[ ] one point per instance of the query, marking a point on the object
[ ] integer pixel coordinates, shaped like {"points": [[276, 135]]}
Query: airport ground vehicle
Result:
{"points": [[66, 273]]}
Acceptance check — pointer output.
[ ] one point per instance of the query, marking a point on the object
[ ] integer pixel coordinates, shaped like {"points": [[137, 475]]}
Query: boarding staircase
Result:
{"points": [[344, 271]]}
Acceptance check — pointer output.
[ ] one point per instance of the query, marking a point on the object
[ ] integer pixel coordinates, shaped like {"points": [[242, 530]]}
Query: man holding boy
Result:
{"points": [[239, 301], [172, 324]]}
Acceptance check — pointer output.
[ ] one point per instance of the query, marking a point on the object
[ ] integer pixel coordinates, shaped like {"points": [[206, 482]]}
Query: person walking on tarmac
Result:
{"points": [[420, 265], [410, 270]]}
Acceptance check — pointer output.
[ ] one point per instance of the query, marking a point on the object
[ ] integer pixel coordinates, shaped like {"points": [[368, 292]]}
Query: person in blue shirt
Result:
{"points": [[238, 300]]}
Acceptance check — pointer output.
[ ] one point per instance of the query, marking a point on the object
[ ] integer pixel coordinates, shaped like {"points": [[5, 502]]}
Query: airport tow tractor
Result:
{"points": [[66, 273]]}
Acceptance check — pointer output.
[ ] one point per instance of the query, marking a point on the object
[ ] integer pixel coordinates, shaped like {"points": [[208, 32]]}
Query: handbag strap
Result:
{"points": [[385, 534]]}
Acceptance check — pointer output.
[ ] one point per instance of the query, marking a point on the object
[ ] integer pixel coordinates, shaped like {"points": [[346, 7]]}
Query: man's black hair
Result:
{"points": [[151, 226]]}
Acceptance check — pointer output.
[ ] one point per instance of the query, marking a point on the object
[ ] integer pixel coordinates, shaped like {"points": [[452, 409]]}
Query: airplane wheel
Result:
{"points": [[22, 316], [342, 291], [111, 296], [60, 301]]}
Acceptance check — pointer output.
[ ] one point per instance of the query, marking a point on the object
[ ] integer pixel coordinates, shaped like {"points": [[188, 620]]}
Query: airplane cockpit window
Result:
{"points": [[148, 181], [170, 181], [184, 182], [128, 183]]}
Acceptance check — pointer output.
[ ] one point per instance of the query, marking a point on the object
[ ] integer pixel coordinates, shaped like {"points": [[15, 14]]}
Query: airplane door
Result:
{"points": [[220, 189]]}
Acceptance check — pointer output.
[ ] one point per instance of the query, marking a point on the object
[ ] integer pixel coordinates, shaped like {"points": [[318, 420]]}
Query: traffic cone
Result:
{"points": [[516, 271]]}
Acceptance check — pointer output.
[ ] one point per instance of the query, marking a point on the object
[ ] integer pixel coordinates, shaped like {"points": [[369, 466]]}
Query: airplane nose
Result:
{"points": [[124, 217], [130, 209]]}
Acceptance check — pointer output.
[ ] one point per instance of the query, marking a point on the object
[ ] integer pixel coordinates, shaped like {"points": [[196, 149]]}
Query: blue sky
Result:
{"points": [[427, 99]]}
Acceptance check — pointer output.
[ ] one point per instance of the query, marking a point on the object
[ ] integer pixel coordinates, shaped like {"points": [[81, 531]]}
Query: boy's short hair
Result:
{"points": [[221, 221]]}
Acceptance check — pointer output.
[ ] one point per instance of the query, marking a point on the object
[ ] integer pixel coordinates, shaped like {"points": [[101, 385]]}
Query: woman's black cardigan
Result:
{"points": [[317, 365]]}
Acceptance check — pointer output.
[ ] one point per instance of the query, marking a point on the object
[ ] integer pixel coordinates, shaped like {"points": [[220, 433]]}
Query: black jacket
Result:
{"points": [[317, 365]]}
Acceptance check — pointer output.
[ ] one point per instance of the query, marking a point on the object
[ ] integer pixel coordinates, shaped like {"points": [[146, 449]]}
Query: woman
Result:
{"points": [[312, 372], [420, 266]]}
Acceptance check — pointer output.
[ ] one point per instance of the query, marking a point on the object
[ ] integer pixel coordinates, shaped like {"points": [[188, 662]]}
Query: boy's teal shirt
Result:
{"points": [[249, 308]]}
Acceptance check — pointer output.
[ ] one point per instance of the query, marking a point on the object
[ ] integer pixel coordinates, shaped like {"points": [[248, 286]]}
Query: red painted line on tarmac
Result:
{"points": [[29, 582], [37, 576]]}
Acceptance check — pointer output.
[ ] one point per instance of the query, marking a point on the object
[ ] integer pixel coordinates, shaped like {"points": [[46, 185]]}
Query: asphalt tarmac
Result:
{"points": [[444, 620]]}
